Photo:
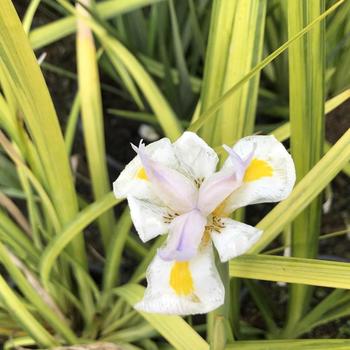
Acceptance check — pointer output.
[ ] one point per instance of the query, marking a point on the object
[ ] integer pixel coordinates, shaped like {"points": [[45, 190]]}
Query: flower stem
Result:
{"points": [[218, 325]]}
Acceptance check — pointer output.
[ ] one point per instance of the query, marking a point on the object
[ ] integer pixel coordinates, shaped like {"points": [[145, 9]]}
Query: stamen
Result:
{"points": [[217, 225], [198, 182], [169, 217]]}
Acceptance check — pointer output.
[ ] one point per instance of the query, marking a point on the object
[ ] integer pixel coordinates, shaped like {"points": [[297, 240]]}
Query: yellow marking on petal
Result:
{"points": [[141, 174], [257, 169], [181, 279]]}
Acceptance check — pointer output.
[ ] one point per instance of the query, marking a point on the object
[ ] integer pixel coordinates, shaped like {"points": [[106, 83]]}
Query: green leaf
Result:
{"points": [[47, 203], [237, 116], [295, 344], [17, 342], [346, 168], [320, 313], [306, 100], [32, 95], [161, 108], [16, 238], [262, 301], [311, 272], [24, 317], [111, 272], [72, 124], [56, 30], [92, 117], [127, 80], [214, 107], [158, 70], [8, 174], [24, 75], [85, 217], [35, 294], [216, 56], [186, 95], [30, 12]]}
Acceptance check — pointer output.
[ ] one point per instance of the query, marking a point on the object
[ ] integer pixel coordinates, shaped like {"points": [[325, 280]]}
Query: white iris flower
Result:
{"points": [[175, 189]]}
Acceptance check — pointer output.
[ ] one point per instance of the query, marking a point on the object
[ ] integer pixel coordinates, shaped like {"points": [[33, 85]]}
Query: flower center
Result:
{"points": [[198, 182], [216, 225]]}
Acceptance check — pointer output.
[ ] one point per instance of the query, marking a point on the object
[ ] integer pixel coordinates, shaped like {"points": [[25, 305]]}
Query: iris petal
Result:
{"points": [[208, 291], [173, 188], [185, 234], [219, 186], [196, 158], [216, 188], [149, 218], [238, 163], [129, 181], [278, 168], [234, 238]]}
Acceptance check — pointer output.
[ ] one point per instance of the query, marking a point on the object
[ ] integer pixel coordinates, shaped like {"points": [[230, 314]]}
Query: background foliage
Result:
{"points": [[222, 68]]}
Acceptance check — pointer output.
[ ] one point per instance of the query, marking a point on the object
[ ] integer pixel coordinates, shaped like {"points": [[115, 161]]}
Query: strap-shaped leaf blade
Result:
{"points": [[59, 29], [292, 344], [312, 272]]}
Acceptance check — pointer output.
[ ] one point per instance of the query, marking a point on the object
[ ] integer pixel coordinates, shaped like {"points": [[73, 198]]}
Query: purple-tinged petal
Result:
{"points": [[173, 188], [130, 181], [216, 189], [239, 164], [185, 235]]}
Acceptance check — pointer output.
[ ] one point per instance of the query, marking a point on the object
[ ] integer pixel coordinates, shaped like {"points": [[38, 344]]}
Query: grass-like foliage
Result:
{"points": [[224, 69]]}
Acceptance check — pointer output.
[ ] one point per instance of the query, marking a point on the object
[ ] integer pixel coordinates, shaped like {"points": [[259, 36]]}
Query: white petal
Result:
{"points": [[176, 190], [161, 298], [234, 239], [128, 182], [273, 188], [149, 219], [197, 159]]}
